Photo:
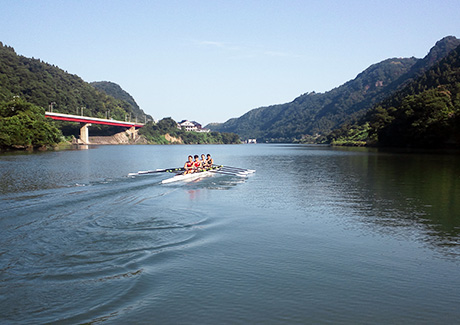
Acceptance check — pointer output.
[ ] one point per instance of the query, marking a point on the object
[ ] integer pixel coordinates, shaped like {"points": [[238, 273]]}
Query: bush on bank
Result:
{"points": [[155, 133], [23, 125]]}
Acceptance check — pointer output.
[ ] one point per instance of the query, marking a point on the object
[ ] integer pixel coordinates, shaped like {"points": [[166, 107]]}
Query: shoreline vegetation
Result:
{"points": [[398, 102], [28, 86], [425, 113], [24, 127], [166, 132], [406, 103]]}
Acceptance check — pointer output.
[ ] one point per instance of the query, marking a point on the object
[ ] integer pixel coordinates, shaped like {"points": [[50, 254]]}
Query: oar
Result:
{"points": [[228, 173], [166, 170], [235, 168], [245, 171], [234, 172], [249, 171]]}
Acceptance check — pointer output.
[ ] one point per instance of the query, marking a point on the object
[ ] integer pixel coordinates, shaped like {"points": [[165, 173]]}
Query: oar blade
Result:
{"points": [[145, 172], [237, 169]]}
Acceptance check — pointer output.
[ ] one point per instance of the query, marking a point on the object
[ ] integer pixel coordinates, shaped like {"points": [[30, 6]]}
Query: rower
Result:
{"points": [[203, 160], [209, 161], [197, 164], [188, 166]]}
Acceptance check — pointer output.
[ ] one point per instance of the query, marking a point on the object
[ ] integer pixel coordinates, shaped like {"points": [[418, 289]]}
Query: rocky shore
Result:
{"points": [[125, 137]]}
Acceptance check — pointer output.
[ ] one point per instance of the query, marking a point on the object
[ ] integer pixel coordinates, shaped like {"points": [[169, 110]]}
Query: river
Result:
{"points": [[316, 235]]}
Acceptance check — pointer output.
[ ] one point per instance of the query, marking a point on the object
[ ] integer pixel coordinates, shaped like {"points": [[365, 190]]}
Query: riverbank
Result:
{"points": [[125, 137]]}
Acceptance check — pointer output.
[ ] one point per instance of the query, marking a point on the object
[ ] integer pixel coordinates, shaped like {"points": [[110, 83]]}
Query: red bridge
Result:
{"points": [[86, 121]]}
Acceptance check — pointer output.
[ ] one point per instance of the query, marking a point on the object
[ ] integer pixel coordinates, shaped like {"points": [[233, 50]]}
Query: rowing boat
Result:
{"points": [[190, 177], [215, 169]]}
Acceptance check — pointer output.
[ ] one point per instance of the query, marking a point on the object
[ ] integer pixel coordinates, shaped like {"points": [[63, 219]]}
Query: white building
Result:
{"points": [[187, 125], [191, 126]]}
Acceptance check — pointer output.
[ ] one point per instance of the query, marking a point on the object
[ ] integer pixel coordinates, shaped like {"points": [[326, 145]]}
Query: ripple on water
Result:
{"points": [[99, 244]]}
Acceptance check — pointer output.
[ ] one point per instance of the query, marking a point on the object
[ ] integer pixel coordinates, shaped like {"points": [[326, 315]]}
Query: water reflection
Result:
{"points": [[313, 234], [216, 182], [193, 194], [398, 193]]}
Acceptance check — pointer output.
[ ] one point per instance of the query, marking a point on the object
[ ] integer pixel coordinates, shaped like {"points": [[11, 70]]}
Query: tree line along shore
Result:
{"points": [[399, 102]]}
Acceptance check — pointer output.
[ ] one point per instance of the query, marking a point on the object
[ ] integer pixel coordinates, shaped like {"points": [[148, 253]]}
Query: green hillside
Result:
{"points": [[425, 113], [41, 83], [39, 86], [114, 90], [29, 86], [311, 116]]}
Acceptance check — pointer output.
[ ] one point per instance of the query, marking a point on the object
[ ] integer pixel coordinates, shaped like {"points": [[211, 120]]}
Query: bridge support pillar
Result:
{"points": [[132, 133], [84, 133]]}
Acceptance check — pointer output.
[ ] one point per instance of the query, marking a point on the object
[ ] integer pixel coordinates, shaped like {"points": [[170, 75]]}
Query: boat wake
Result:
{"points": [[89, 240]]}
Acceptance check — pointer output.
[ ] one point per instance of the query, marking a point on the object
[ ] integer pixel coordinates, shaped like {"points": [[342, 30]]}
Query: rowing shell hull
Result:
{"points": [[188, 177]]}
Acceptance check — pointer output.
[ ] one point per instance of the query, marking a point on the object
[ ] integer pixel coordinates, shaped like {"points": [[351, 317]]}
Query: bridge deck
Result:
{"points": [[93, 120]]}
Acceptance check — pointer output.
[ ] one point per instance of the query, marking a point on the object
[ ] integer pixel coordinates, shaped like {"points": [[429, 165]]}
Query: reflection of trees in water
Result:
{"points": [[428, 193], [399, 193]]}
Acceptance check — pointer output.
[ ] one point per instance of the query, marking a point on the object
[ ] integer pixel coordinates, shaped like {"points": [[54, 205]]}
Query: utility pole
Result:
{"points": [[51, 106]]}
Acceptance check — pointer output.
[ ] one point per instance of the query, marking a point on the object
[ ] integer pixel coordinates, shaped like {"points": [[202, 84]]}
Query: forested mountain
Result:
{"points": [[29, 86], [41, 83], [114, 90], [314, 114], [425, 113]]}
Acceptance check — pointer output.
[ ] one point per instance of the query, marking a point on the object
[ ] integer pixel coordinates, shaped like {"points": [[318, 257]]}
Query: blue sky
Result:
{"points": [[213, 60]]}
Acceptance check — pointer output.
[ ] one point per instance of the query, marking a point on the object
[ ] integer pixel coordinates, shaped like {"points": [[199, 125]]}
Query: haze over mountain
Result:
{"points": [[315, 114]]}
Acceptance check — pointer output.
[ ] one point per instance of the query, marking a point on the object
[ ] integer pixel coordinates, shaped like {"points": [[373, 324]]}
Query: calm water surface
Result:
{"points": [[316, 235]]}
